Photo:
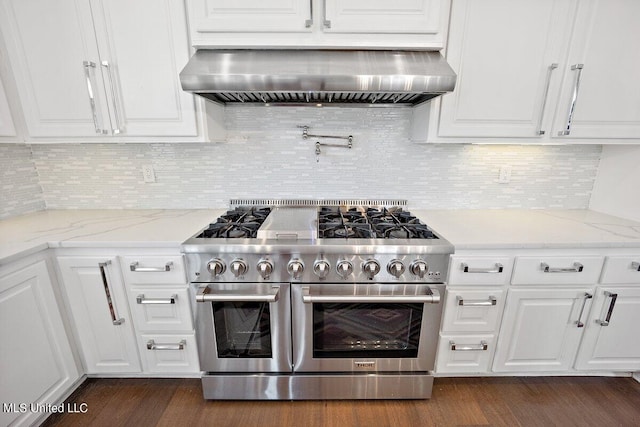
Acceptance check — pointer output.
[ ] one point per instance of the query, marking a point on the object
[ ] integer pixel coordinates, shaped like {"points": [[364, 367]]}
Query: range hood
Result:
{"points": [[312, 77]]}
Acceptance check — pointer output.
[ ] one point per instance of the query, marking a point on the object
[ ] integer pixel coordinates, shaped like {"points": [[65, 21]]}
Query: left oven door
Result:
{"points": [[244, 327]]}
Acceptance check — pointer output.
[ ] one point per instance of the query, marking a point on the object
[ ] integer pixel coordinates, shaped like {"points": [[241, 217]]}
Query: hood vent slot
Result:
{"points": [[311, 77]]}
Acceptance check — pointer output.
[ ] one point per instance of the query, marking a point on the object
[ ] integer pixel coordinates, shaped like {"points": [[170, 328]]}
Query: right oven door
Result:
{"points": [[365, 327]]}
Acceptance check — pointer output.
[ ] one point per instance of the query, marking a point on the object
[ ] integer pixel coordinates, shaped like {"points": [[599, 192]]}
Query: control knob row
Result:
{"points": [[321, 268], [239, 267]]}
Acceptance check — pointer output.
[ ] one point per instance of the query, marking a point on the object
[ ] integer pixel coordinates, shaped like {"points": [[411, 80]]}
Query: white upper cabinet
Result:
{"points": [[503, 52], [99, 68], [607, 94], [526, 69], [416, 24]]}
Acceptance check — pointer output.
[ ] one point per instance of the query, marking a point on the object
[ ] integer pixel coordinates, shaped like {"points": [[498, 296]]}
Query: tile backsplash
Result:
{"points": [[266, 157], [20, 190]]}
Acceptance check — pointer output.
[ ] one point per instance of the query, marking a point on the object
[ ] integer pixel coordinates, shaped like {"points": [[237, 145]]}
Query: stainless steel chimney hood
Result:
{"points": [[311, 77]]}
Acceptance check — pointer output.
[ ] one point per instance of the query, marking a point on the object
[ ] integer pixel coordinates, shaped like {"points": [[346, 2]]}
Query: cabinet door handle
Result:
{"points": [[151, 345], [141, 299], [135, 266], [114, 317], [574, 97], [576, 268], [635, 266], [481, 303], [117, 129], [497, 268], [309, 22], [325, 21], [613, 297], [579, 322], [92, 99], [469, 347], [545, 96]]}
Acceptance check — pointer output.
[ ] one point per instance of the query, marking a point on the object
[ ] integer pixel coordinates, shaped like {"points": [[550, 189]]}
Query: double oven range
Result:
{"points": [[317, 300]]}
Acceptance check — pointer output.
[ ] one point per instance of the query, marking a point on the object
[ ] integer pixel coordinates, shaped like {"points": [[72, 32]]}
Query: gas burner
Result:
{"points": [[346, 230], [238, 223], [394, 223]]}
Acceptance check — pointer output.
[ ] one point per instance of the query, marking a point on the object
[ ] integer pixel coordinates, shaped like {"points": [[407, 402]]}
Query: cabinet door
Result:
{"points": [[540, 330], [250, 16], [48, 44], [502, 52], [606, 44], [37, 361], [143, 47], [472, 310], [465, 354], [100, 313], [611, 341], [382, 16]]}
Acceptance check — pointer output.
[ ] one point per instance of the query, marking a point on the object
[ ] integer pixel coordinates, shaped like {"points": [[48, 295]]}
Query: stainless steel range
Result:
{"points": [[317, 300]]}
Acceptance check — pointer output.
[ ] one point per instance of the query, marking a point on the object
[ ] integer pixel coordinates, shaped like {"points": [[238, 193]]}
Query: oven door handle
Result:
{"points": [[205, 295], [432, 298]]}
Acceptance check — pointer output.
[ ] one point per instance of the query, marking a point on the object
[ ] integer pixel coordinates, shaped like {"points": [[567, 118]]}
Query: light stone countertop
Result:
{"points": [[466, 229], [30, 233], [531, 229]]}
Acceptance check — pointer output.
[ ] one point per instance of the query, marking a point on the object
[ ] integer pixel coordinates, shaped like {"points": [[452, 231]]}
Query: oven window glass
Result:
{"points": [[243, 329], [366, 330]]}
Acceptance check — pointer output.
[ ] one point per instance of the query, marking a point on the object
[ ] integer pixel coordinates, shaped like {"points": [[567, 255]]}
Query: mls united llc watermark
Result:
{"points": [[22, 408]]}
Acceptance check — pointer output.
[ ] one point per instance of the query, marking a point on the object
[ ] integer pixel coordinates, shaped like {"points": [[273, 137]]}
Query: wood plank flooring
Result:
{"points": [[504, 401]]}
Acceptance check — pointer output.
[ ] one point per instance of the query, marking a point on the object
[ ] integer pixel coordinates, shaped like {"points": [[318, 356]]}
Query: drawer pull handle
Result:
{"points": [[135, 266], [579, 322], [140, 299], [469, 347], [635, 266], [497, 268], [613, 297], [112, 310], [576, 268], [152, 345], [477, 303]]}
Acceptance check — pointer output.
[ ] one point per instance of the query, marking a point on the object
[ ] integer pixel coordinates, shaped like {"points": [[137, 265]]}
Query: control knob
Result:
{"points": [[344, 268], [295, 268], [395, 268], [419, 268], [216, 267], [321, 268], [238, 267], [265, 268], [370, 267]]}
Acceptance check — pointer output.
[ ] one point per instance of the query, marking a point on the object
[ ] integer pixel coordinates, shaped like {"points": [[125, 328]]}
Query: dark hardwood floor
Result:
{"points": [[505, 401]]}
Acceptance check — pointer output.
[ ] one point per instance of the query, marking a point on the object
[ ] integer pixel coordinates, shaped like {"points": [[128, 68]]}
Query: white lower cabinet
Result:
{"points": [[99, 309], [37, 364], [473, 306], [164, 309], [611, 340], [169, 353], [160, 305], [461, 353], [541, 329]]}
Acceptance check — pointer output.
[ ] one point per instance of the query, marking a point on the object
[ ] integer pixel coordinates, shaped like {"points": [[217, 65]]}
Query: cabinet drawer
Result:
{"points": [[156, 270], [622, 269], [553, 270], [169, 354], [465, 353], [472, 310], [164, 309], [480, 270]]}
